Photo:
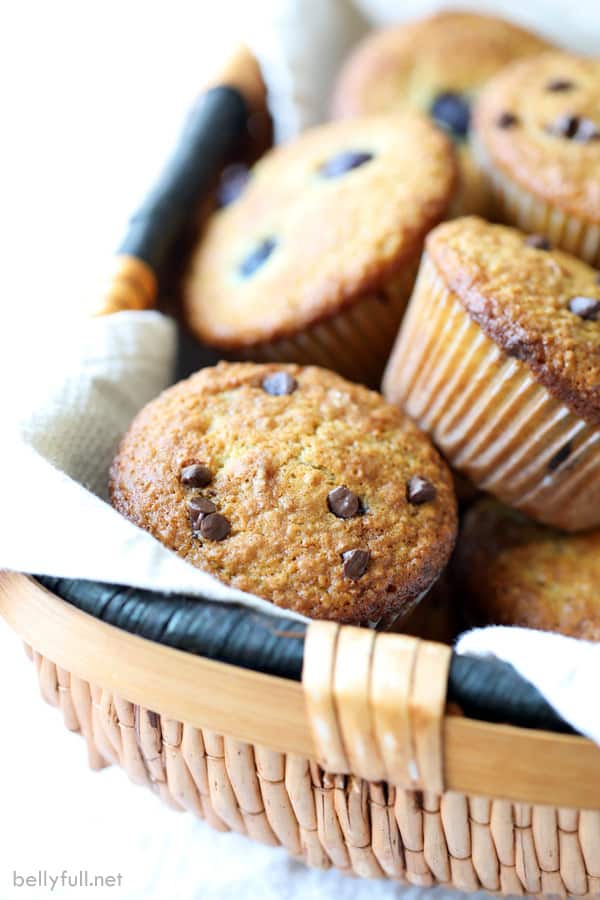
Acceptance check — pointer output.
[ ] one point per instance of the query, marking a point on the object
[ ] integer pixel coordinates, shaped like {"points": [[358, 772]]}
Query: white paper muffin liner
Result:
{"points": [[355, 342], [489, 416], [513, 205]]}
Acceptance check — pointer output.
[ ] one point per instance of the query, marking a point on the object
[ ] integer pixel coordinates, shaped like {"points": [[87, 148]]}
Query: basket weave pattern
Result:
{"points": [[369, 829]]}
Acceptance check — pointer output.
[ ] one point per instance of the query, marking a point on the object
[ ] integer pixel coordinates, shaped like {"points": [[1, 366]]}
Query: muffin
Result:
{"points": [[315, 261], [293, 484], [436, 64], [537, 137], [512, 571], [499, 360]]}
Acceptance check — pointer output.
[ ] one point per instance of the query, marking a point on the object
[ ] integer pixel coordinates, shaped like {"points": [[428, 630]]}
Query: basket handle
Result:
{"points": [[376, 704], [214, 128]]}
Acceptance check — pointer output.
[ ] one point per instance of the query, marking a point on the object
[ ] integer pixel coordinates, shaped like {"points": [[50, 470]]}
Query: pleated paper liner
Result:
{"points": [[514, 205], [473, 196], [489, 416], [355, 342]]}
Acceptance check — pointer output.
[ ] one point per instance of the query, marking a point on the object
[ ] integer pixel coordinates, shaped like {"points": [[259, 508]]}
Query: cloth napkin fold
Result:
{"points": [[564, 670], [53, 483]]}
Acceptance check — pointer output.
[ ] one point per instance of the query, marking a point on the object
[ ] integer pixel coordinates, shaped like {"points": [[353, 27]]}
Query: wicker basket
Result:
{"points": [[360, 765]]}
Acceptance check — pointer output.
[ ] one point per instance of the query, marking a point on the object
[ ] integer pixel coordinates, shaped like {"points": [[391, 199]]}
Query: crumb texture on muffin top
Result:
{"points": [[513, 571], [293, 484], [451, 53], [322, 222], [538, 122], [541, 306]]}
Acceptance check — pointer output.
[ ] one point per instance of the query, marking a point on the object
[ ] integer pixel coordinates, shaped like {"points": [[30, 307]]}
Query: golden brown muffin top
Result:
{"points": [[539, 122], [541, 306], [414, 63], [515, 572], [270, 464], [323, 220]]}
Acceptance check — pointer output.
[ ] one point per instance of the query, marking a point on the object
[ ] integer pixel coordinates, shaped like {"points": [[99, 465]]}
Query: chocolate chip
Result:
{"points": [[452, 112], [214, 527], [587, 130], [560, 456], [560, 85], [257, 257], [355, 563], [199, 507], [233, 180], [279, 383], [344, 162], [518, 349], [419, 490], [538, 242], [564, 125], [507, 120], [196, 475], [343, 503], [585, 307], [576, 128]]}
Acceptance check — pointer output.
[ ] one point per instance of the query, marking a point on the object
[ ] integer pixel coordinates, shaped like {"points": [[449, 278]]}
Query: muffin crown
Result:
{"points": [[413, 63], [541, 306], [319, 495], [513, 571], [538, 121], [323, 221]]}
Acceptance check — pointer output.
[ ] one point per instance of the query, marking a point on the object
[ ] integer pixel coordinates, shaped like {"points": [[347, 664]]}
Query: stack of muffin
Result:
{"points": [[373, 243]]}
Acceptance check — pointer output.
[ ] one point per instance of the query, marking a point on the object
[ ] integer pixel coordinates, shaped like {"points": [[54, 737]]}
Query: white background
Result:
{"points": [[92, 97]]}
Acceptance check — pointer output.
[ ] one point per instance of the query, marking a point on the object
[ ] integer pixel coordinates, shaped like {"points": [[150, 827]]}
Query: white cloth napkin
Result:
{"points": [[564, 670], [53, 482]]}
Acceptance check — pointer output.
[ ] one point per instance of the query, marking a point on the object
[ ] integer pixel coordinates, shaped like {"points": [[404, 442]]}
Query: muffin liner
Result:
{"points": [[355, 342], [489, 416], [514, 205]]}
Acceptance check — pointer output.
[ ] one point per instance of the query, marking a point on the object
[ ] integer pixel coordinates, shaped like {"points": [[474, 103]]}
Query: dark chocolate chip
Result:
{"points": [[587, 130], [234, 179], [538, 242], [257, 257], [507, 120], [560, 456], [452, 112], [343, 503], [279, 383], [344, 162], [559, 85], [575, 128], [419, 490], [214, 527], [199, 507], [518, 349], [564, 125], [585, 307], [355, 563], [196, 475]]}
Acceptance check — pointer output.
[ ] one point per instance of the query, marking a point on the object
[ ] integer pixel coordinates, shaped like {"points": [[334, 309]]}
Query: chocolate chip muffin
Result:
{"points": [[512, 571], [316, 259], [537, 136], [499, 360], [293, 484], [436, 64]]}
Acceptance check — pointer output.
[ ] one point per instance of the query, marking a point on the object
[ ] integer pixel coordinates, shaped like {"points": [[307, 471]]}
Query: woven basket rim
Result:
{"points": [[485, 689]]}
